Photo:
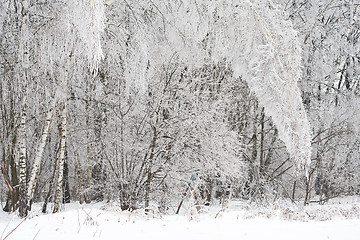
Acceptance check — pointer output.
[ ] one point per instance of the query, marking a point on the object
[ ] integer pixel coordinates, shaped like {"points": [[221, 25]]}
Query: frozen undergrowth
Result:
{"points": [[240, 219], [343, 208]]}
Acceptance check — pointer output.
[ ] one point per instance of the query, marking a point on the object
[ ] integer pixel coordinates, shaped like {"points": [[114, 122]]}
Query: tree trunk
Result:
{"points": [[59, 184], [79, 174], [51, 185], [150, 163], [10, 177], [66, 186], [14, 192], [24, 50], [262, 137], [38, 156], [307, 191], [254, 171], [23, 209], [63, 127], [293, 191]]}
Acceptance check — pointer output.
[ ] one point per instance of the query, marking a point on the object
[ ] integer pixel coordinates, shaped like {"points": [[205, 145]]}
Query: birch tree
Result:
{"points": [[17, 59], [22, 164], [39, 153], [59, 184], [88, 27], [24, 72], [83, 21]]}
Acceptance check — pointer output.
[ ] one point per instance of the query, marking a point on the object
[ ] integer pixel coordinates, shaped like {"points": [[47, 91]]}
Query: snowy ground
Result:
{"points": [[337, 220]]}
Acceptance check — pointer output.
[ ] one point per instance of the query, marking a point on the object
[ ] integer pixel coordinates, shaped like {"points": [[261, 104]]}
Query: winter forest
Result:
{"points": [[149, 102]]}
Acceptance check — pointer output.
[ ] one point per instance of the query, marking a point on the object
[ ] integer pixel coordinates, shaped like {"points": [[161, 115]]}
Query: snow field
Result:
{"points": [[101, 221]]}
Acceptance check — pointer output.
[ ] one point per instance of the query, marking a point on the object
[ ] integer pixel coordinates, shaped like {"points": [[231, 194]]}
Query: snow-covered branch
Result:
{"points": [[271, 64]]}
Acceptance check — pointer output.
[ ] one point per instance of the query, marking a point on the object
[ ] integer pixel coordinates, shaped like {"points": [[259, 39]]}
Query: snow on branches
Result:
{"points": [[271, 64], [88, 18], [252, 36], [262, 47], [75, 28]]}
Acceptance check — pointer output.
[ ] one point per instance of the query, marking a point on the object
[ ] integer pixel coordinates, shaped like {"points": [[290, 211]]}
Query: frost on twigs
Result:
{"points": [[77, 30], [88, 18], [251, 36], [272, 67], [262, 47]]}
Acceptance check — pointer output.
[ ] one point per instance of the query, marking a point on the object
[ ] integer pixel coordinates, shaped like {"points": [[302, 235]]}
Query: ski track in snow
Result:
{"points": [[92, 221]]}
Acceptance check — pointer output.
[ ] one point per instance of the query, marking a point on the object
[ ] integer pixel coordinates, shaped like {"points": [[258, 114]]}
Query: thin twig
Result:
{"points": [[36, 234], [2, 234], [15, 228], [225, 205]]}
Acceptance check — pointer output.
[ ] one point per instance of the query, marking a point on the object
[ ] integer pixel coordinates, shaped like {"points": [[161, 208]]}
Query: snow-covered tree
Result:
{"points": [[330, 36], [255, 38]]}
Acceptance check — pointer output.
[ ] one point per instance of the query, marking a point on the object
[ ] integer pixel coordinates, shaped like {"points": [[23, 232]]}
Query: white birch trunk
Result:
{"points": [[39, 153], [63, 117], [24, 53], [22, 165], [59, 183]]}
